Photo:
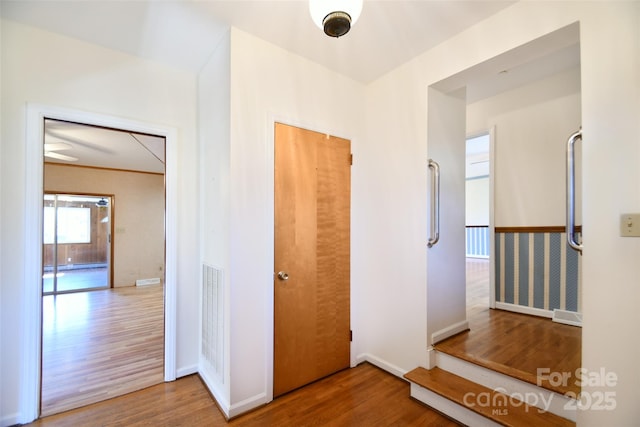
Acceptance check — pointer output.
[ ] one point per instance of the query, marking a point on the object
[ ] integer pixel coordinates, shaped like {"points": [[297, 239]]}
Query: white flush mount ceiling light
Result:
{"points": [[335, 17]]}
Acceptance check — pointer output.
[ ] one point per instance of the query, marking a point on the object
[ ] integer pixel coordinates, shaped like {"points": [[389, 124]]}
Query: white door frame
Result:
{"points": [[491, 133], [31, 348]]}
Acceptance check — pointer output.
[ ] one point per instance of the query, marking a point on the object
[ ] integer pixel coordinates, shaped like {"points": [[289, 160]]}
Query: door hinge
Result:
{"points": [[351, 159], [350, 336]]}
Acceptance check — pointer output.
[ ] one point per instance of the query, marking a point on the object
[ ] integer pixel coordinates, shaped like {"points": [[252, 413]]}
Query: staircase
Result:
{"points": [[478, 388]]}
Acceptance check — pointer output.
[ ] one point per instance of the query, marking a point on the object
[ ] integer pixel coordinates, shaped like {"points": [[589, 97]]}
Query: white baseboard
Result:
{"points": [[524, 309], [247, 405], [382, 364], [10, 420], [449, 331], [146, 282], [187, 370], [221, 399], [431, 358]]}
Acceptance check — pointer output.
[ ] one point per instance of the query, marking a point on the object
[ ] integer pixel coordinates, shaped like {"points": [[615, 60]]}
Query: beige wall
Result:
{"points": [[138, 214]]}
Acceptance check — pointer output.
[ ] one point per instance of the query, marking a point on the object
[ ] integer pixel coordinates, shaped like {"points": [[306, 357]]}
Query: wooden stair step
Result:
{"points": [[455, 388]]}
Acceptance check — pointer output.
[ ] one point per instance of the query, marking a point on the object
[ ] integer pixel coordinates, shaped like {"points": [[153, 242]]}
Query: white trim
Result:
{"points": [[186, 371], [524, 309], [476, 256], [30, 349], [557, 403], [432, 354], [246, 405], [171, 251], [449, 331], [270, 222], [382, 364], [491, 132], [219, 395], [450, 408], [10, 420], [492, 218]]}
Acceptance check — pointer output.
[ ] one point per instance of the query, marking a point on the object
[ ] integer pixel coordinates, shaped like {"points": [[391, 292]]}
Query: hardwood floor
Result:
{"points": [[512, 343], [361, 396], [100, 344], [518, 344], [477, 285]]}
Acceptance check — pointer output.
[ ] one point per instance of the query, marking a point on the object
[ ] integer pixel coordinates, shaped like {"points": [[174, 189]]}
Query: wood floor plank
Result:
{"points": [[101, 344], [502, 410], [518, 345], [477, 272], [361, 396]]}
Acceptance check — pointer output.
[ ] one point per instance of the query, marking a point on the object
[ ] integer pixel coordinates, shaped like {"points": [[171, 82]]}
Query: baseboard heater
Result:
{"points": [[145, 282]]}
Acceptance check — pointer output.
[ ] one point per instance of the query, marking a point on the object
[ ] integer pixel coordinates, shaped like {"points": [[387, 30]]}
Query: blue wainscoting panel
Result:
{"points": [[477, 241], [537, 270]]}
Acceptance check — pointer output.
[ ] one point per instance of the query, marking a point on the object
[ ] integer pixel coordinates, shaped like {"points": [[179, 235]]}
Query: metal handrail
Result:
{"points": [[435, 204], [571, 192]]}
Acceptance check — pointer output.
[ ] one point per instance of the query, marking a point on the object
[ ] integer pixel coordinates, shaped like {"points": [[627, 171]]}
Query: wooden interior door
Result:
{"points": [[312, 256]]}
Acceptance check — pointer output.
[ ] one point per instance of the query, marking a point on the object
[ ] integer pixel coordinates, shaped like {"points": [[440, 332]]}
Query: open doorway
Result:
{"points": [[103, 275], [532, 105], [478, 222]]}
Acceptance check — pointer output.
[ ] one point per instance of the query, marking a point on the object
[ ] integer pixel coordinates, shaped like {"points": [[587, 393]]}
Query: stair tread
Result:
{"points": [[455, 388]]}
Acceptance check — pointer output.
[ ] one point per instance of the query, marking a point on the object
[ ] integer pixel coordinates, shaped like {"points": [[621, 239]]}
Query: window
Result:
{"points": [[74, 225]]}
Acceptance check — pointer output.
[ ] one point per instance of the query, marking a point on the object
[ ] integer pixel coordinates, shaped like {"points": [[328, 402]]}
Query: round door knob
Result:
{"points": [[283, 275]]}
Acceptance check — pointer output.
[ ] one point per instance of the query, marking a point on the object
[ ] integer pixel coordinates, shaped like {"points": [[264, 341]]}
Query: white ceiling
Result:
{"points": [[104, 148], [184, 33]]}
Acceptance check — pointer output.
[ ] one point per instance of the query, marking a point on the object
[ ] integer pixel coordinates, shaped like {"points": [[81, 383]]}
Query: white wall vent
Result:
{"points": [[212, 351]]}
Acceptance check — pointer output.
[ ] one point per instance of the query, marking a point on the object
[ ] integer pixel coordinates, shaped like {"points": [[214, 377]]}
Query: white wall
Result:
{"points": [[214, 124], [477, 201], [532, 124], [392, 228], [389, 179], [267, 84], [45, 68], [396, 111]]}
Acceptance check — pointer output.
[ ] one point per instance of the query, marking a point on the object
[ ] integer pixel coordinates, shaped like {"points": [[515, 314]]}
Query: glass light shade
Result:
{"points": [[319, 9]]}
